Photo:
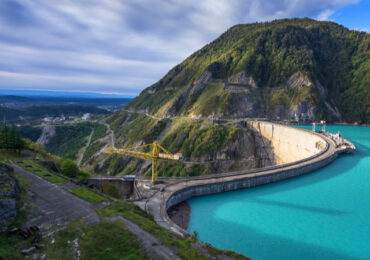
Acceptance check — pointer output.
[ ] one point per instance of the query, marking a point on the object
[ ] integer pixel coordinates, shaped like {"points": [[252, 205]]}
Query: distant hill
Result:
{"points": [[111, 104], [35, 112], [278, 70]]}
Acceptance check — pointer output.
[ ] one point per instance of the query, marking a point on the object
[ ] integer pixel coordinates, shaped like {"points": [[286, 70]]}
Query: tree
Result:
{"points": [[10, 138], [83, 175], [4, 135], [69, 168]]}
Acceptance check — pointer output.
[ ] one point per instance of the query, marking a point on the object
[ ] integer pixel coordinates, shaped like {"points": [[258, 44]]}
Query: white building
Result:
{"points": [[86, 116]]}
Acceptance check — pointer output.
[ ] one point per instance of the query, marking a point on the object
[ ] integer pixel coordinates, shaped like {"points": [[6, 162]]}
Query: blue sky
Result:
{"points": [[123, 46]]}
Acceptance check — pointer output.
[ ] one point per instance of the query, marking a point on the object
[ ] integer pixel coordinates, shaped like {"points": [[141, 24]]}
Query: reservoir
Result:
{"points": [[321, 215]]}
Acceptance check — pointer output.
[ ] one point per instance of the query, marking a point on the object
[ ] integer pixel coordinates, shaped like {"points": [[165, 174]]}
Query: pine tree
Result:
{"points": [[4, 135], [12, 138]]}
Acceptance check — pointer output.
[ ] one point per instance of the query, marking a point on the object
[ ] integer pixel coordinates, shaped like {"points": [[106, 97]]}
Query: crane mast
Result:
{"points": [[157, 153]]}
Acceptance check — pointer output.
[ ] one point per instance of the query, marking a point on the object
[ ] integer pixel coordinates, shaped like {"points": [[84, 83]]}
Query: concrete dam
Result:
{"points": [[296, 152]]}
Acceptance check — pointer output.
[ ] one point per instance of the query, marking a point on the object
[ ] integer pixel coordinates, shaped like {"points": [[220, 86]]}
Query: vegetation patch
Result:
{"points": [[41, 171], [139, 217], [87, 194], [110, 189], [107, 240], [68, 140], [30, 132], [100, 131], [91, 150]]}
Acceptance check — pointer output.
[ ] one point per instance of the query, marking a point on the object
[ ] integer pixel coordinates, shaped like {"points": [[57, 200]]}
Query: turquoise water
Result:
{"points": [[322, 215]]}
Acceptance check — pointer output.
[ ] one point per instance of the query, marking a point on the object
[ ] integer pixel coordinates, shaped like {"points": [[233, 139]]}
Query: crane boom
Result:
{"points": [[154, 155]]}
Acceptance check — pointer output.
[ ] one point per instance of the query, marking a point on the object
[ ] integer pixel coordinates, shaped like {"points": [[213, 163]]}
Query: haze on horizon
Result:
{"points": [[112, 46]]}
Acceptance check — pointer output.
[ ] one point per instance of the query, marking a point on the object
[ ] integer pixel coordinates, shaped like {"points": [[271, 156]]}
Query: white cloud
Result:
{"points": [[121, 45]]}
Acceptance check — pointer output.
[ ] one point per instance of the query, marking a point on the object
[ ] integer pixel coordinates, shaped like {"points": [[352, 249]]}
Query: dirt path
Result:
{"points": [[54, 204], [112, 141], [81, 155], [152, 245]]}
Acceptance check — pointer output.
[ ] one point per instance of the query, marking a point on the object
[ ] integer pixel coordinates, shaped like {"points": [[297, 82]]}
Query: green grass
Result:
{"points": [[87, 195], [107, 240], [111, 240], [40, 171], [139, 217]]}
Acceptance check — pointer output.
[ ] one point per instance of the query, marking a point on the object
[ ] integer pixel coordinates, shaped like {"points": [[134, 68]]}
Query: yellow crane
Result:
{"points": [[157, 153]]}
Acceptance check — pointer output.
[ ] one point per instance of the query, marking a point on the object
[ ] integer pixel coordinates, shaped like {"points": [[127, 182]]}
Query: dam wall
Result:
{"points": [[299, 151], [289, 144], [246, 182]]}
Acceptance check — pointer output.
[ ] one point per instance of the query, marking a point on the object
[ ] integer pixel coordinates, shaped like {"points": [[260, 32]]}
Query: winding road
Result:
{"points": [[111, 133], [81, 155]]}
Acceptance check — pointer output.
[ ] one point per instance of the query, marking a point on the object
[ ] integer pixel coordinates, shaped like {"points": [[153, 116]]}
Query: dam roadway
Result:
{"points": [[297, 152]]}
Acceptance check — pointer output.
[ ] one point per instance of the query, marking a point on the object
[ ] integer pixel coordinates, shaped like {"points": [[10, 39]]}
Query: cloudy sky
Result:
{"points": [[123, 46]]}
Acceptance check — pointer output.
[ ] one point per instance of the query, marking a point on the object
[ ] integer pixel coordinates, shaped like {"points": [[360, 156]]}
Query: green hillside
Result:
{"points": [[275, 70], [291, 69]]}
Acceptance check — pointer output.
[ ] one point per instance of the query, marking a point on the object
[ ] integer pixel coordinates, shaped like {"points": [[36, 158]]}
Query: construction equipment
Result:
{"points": [[157, 153]]}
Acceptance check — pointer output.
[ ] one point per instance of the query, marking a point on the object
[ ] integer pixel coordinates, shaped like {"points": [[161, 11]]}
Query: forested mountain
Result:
{"points": [[279, 69], [291, 69]]}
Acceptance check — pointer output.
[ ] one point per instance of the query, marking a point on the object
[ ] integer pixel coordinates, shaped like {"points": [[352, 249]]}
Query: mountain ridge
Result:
{"points": [[330, 59]]}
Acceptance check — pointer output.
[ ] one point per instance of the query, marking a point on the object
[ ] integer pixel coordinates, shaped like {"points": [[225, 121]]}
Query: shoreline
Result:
{"points": [[180, 214]]}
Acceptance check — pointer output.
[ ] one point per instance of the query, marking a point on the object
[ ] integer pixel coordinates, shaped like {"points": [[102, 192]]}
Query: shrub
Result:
{"points": [[83, 175], [69, 168]]}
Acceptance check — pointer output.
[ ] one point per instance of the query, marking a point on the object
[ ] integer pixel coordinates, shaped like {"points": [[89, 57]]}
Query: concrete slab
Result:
{"points": [[55, 206]]}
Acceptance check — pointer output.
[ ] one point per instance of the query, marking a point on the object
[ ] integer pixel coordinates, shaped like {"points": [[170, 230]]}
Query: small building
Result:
{"points": [[86, 116]]}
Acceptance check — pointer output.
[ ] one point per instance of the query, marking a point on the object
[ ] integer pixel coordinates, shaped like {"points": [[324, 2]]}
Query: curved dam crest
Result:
{"points": [[297, 152]]}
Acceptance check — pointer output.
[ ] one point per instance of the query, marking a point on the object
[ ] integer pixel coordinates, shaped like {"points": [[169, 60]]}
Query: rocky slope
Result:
{"points": [[207, 146], [286, 69]]}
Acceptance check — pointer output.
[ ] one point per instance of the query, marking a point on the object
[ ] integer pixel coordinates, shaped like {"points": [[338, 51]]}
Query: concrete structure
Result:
{"points": [[298, 151], [289, 144], [124, 186], [322, 124]]}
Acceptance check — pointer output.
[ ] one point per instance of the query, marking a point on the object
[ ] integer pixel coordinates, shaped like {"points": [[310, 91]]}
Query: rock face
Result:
{"points": [[9, 196], [47, 133], [269, 70], [208, 146]]}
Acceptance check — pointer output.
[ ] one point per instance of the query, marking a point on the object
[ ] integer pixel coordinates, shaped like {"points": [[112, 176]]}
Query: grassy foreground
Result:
{"points": [[106, 240]]}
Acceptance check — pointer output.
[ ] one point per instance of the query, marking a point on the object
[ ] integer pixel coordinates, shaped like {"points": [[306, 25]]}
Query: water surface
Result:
{"points": [[321, 215]]}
